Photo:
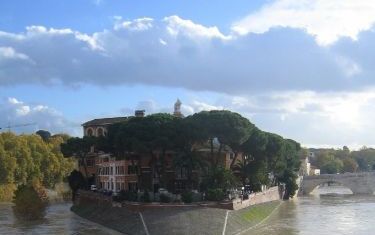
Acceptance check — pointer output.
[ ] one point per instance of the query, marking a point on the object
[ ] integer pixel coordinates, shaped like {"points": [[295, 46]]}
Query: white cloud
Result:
{"points": [[176, 26], [140, 24], [349, 67], [162, 42], [15, 112], [176, 52], [326, 20], [10, 53], [13, 100], [314, 119]]}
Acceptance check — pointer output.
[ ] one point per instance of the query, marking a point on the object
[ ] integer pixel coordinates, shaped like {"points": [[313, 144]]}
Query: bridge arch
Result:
{"points": [[358, 183], [316, 184]]}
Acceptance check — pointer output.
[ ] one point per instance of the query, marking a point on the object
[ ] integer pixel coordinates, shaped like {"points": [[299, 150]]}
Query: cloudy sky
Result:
{"points": [[304, 69]]}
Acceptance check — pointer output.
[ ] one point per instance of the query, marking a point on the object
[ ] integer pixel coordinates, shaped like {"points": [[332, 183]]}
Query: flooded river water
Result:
{"points": [[59, 220], [327, 212], [313, 215]]}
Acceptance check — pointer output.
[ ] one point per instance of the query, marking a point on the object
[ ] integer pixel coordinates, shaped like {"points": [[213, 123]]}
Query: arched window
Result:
{"points": [[89, 132], [100, 132]]}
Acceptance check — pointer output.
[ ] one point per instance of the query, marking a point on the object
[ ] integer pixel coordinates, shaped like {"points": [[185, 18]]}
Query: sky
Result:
{"points": [[304, 69]]}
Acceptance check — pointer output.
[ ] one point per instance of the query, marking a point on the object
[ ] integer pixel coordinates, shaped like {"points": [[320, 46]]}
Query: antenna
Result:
{"points": [[18, 125]]}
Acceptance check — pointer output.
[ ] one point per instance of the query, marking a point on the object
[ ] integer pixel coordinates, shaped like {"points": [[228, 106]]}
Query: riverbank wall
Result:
{"points": [[196, 218]]}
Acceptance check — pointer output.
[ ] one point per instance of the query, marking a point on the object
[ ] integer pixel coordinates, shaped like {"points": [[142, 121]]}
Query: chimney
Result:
{"points": [[140, 113]]}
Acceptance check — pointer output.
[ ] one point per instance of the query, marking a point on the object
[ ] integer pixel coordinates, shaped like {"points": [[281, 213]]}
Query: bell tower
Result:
{"points": [[177, 109]]}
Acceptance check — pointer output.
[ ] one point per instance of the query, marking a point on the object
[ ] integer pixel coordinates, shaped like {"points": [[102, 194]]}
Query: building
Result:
{"points": [[134, 171], [116, 175], [177, 109], [305, 166], [99, 127]]}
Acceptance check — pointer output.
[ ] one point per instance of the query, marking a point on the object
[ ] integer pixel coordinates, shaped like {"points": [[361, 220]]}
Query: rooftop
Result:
{"points": [[105, 121]]}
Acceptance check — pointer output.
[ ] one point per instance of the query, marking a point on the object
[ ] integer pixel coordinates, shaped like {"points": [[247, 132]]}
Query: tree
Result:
{"points": [[289, 177], [254, 167], [27, 158], [152, 135], [79, 148], [365, 158], [29, 203], [76, 181], [274, 156], [323, 157], [230, 129], [45, 135], [333, 166], [221, 178], [349, 165], [188, 137]]}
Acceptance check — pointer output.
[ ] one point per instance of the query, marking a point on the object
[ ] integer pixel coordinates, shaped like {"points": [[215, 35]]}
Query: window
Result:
{"points": [[89, 132], [90, 162], [100, 132], [231, 156], [132, 170], [133, 186], [181, 173]]}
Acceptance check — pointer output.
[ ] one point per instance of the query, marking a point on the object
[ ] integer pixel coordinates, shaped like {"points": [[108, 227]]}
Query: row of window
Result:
{"points": [[100, 132], [132, 186], [119, 170]]}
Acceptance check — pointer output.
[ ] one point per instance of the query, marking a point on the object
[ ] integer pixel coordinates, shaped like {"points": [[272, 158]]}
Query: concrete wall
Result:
{"points": [[156, 218], [272, 194]]}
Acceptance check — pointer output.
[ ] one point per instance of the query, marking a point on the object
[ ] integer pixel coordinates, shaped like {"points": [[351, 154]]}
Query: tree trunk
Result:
{"points": [[84, 165], [234, 160], [212, 151], [162, 179], [218, 155]]}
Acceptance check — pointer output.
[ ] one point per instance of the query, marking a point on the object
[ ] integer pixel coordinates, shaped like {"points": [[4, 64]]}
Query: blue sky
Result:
{"points": [[96, 15], [300, 68]]}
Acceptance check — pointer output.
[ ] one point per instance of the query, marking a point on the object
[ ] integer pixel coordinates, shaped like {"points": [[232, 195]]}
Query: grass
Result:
{"points": [[258, 212]]}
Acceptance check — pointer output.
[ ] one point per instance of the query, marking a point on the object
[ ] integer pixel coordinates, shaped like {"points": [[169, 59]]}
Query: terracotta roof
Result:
{"points": [[105, 121]]}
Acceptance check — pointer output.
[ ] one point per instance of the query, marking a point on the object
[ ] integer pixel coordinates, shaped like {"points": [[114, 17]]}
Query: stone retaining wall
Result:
{"points": [[272, 194]]}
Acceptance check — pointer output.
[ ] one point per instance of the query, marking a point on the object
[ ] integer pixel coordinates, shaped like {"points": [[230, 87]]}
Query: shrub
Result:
{"points": [[145, 197], [165, 198], [216, 194], [6, 192], [30, 203], [128, 196], [187, 197]]}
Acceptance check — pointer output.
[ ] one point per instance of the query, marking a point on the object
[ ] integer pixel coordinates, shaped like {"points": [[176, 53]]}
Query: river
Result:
{"points": [[316, 214], [329, 211], [59, 220]]}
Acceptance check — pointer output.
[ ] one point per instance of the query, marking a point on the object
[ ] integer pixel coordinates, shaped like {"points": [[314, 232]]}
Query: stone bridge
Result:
{"points": [[358, 183]]}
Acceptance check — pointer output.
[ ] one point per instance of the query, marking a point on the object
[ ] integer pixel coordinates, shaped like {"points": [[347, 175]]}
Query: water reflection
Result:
{"points": [[327, 214], [59, 220]]}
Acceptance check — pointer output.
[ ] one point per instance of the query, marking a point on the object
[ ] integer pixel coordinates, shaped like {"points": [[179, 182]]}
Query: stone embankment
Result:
{"points": [[198, 218]]}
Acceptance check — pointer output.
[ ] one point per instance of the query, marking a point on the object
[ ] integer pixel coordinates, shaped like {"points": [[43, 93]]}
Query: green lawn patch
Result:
{"points": [[259, 212]]}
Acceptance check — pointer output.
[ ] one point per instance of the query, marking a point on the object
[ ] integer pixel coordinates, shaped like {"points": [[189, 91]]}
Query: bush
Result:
{"points": [[145, 197], [30, 203], [128, 196], [165, 198], [187, 197], [216, 194], [6, 192]]}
